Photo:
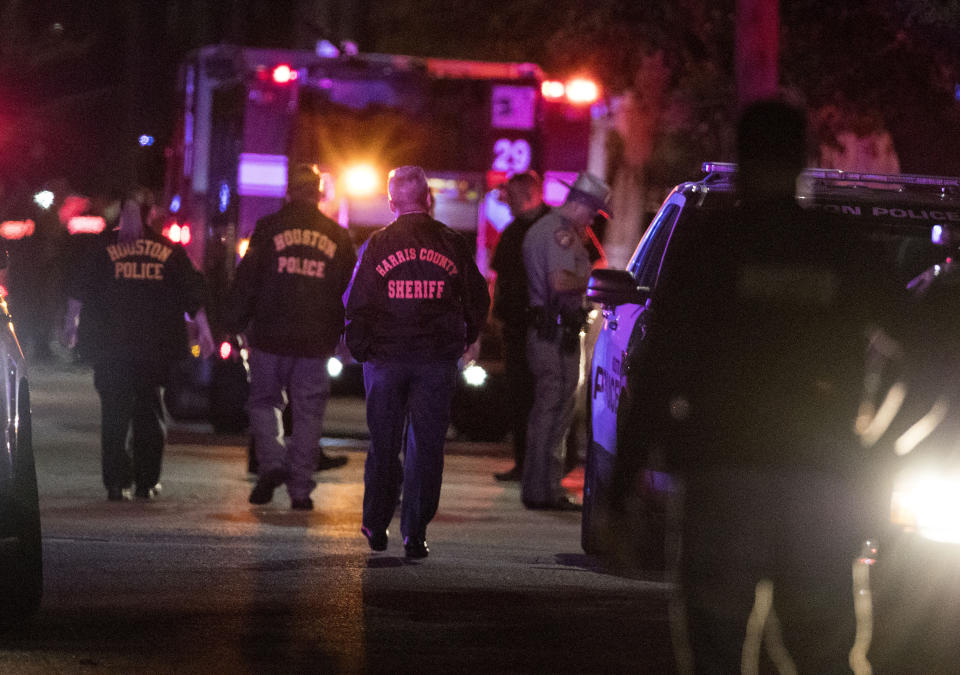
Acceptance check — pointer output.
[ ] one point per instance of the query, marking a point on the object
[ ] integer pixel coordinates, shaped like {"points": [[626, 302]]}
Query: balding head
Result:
{"points": [[407, 187]]}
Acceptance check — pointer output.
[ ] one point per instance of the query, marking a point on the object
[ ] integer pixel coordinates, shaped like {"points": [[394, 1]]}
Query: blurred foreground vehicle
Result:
{"points": [[21, 555], [909, 220]]}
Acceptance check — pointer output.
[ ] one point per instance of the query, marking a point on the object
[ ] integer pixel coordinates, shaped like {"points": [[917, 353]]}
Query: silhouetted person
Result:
{"points": [[752, 381], [523, 194]]}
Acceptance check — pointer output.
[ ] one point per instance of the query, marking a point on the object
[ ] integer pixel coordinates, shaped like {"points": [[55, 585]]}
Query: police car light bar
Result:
{"points": [[849, 176]]}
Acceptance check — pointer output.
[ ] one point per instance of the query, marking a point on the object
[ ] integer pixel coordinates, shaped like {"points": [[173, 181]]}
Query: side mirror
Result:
{"points": [[615, 287]]}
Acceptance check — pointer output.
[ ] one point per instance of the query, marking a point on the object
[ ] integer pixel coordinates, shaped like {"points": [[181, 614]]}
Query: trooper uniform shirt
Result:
{"points": [[290, 283], [553, 244], [135, 295], [417, 294]]}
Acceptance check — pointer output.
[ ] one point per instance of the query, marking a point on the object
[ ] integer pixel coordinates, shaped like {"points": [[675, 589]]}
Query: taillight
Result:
{"points": [[226, 349]]}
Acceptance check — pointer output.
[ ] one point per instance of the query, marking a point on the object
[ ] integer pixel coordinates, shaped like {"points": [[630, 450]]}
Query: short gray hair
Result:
{"points": [[408, 190]]}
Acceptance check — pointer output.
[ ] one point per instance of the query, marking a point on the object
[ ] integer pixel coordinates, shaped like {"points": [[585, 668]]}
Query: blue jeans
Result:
{"points": [[273, 378], [408, 409]]}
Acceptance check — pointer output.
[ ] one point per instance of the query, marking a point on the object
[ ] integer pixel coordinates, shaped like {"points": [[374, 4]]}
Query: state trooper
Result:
{"points": [[558, 266], [131, 293], [287, 299], [417, 302]]}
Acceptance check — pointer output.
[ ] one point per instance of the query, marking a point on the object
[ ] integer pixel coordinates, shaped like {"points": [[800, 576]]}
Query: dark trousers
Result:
{"points": [[408, 410], [520, 387], [796, 531], [133, 427]]}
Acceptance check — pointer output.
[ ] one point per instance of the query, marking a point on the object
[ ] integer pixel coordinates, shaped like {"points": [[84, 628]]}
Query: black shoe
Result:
{"points": [[563, 504], [512, 476], [325, 462], [415, 547], [147, 492], [301, 504], [377, 540], [262, 492], [116, 494]]}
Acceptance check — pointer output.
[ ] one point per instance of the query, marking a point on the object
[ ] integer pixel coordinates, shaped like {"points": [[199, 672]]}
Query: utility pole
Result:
{"points": [[757, 48]]}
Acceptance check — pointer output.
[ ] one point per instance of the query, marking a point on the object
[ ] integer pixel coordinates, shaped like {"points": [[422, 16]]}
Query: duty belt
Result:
{"points": [[563, 325]]}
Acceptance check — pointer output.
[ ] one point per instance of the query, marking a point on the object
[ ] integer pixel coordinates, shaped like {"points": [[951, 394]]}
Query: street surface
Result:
{"points": [[200, 581]]}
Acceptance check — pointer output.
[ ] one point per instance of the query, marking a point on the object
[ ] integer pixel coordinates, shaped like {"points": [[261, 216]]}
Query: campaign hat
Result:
{"points": [[590, 190]]}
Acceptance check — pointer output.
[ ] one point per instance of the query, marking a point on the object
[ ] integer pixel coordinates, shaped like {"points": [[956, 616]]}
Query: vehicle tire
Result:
{"points": [[21, 583], [589, 537]]}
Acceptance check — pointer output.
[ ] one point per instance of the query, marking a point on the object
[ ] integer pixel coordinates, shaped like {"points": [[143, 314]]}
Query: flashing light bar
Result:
{"points": [[578, 91], [86, 225], [849, 176]]}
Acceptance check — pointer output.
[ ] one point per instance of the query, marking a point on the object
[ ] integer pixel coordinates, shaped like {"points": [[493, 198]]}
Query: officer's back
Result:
{"points": [[289, 285]]}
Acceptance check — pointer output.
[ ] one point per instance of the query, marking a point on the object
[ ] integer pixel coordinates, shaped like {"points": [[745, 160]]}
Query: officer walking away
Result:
{"points": [[134, 288], [523, 194], [287, 298], [558, 266], [417, 302]]}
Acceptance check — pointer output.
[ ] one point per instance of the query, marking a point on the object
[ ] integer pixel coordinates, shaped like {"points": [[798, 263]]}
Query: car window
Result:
{"points": [[645, 264]]}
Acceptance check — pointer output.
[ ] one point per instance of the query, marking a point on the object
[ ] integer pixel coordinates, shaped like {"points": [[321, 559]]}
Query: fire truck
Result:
{"points": [[247, 114]]}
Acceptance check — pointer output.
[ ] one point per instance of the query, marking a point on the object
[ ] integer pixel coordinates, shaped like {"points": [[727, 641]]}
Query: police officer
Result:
{"points": [[523, 194], [134, 289], [558, 266], [287, 297], [752, 383], [417, 302]]}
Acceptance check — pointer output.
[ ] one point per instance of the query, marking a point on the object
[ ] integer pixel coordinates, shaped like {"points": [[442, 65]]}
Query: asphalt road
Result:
{"points": [[201, 582]]}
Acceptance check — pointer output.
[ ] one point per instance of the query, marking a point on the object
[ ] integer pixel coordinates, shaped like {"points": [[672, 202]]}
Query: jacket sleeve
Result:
{"points": [[241, 300], [475, 295], [192, 288], [361, 306]]}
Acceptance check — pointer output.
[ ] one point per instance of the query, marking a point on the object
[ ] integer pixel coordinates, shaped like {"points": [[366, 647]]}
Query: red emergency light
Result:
{"points": [[86, 225], [579, 91], [16, 229], [177, 233], [284, 74]]}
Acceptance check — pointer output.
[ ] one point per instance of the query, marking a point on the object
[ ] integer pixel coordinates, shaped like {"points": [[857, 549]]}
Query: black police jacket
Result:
{"points": [[510, 296], [287, 295], [134, 297], [417, 294]]}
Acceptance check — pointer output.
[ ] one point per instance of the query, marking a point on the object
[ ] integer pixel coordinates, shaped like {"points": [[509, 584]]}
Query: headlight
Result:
{"points": [[334, 366], [361, 181], [474, 375], [928, 503]]}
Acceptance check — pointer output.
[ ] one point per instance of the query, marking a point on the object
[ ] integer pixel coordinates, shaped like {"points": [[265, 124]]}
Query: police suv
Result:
{"points": [[21, 559], [915, 217]]}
